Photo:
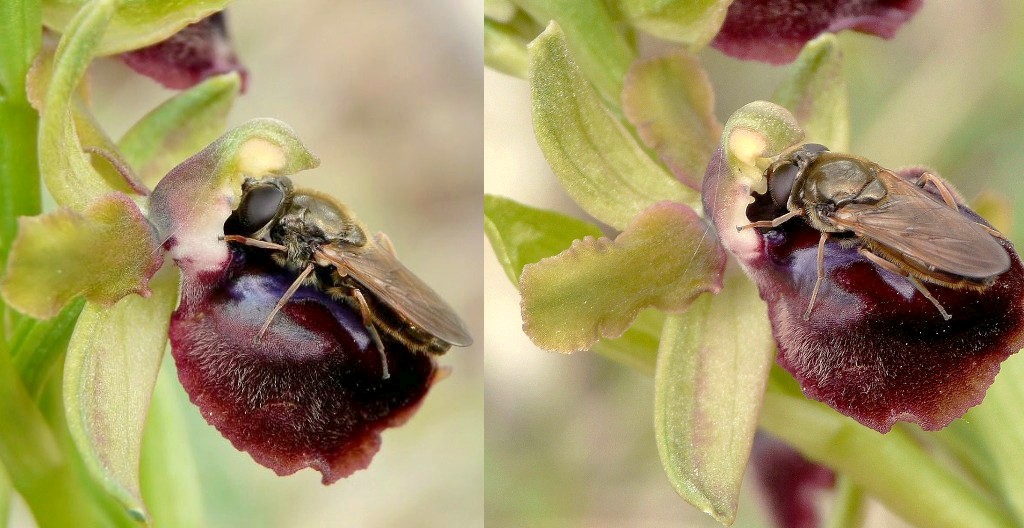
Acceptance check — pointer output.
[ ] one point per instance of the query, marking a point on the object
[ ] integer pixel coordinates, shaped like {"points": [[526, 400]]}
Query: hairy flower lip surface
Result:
{"points": [[190, 56], [774, 31], [873, 349], [309, 392]]}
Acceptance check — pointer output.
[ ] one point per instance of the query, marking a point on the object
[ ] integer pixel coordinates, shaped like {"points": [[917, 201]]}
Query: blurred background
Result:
{"points": [[570, 439], [388, 94]]}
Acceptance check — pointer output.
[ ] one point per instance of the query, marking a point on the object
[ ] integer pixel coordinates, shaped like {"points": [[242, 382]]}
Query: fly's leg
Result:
{"points": [[253, 242], [284, 299], [947, 195], [368, 323], [821, 274], [772, 223], [885, 264]]}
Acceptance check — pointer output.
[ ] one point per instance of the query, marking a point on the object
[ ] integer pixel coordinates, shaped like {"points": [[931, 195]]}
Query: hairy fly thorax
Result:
{"points": [[304, 222]]}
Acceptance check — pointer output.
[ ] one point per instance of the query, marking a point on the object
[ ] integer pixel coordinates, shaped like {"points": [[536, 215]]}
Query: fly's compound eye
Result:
{"points": [[780, 182], [259, 207]]}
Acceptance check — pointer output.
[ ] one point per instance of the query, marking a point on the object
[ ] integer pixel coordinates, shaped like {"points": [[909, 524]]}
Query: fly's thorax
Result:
{"points": [[831, 181]]}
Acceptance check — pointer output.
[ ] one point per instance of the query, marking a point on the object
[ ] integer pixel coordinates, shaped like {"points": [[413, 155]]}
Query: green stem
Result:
{"points": [[43, 346], [849, 506], [34, 461], [6, 491], [892, 467]]}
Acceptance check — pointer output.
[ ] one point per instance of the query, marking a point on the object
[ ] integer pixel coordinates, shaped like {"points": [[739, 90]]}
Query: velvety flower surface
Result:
{"points": [[195, 53], [310, 391], [789, 482], [873, 348], [774, 31]]}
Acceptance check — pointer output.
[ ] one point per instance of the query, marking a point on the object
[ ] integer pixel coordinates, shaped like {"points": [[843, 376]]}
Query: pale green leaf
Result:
{"points": [[179, 127], [690, 22], [594, 156], [103, 253], [505, 49], [597, 287], [710, 380], [671, 103], [137, 23], [111, 367], [521, 235], [815, 92]]}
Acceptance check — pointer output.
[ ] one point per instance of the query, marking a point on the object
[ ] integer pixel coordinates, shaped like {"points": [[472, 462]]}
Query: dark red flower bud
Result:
{"points": [[774, 31], [198, 51]]}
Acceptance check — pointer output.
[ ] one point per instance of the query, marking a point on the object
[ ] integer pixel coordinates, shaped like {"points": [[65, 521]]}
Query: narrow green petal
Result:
{"points": [[521, 235], [597, 287], [505, 49], [137, 23], [690, 22], [670, 101], [594, 156], [815, 92], [710, 380], [111, 367], [179, 127], [103, 253]]}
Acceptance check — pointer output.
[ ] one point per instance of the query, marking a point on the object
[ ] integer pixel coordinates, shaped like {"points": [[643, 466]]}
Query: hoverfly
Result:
{"points": [[319, 238], [895, 224]]}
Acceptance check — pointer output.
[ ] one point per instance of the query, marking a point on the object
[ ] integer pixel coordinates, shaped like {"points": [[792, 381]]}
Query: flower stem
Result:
{"points": [[892, 467], [849, 506]]}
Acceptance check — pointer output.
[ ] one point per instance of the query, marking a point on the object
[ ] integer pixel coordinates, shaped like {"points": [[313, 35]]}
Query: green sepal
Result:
{"points": [[597, 287], [136, 23], [179, 127], [690, 22], [109, 373], [710, 379], [596, 159]]}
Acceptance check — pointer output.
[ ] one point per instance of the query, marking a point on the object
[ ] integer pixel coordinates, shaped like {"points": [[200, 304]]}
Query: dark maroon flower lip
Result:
{"points": [[874, 348], [774, 31], [197, 52], [308, 393], [789, 482]]}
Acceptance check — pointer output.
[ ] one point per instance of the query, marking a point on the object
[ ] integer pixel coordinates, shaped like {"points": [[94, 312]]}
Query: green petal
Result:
{"points": [[597, 287], [111, 366], [670, 101], [521, 235], [998, 426], [137, 23], [638, 347], [598, 42], [690, 22], [65, 168], [595, 157], [815, 92], [104, 253], [179, 127], [711, 374]]}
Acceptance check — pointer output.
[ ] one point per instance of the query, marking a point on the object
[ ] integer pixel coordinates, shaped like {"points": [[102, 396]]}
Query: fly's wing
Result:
{"points": [[379, 271], [913, 223]]}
